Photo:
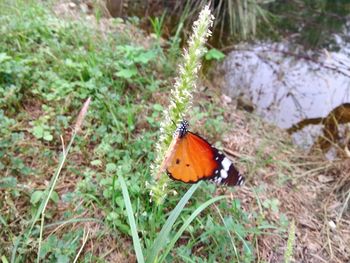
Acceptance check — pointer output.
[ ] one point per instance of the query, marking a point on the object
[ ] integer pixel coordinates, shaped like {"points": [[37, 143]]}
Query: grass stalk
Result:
{"points": [[45, 202], [346, 203], [132, 223], [40, 213], [161, 239], [85, 238], [228, 233], [290, 243], [53, 183], [187, 223]]}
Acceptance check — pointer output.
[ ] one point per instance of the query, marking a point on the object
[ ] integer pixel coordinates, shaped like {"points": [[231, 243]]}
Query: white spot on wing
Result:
{"points": [[240, 180], [223, 174], [226, 164]]}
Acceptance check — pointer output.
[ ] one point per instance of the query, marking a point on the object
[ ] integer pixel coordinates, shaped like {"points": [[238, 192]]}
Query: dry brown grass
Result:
{"points": [[310, 190]]}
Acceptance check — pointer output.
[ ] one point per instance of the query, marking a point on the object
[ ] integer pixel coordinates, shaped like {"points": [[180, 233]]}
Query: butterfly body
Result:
{"points": [[193, 159]]}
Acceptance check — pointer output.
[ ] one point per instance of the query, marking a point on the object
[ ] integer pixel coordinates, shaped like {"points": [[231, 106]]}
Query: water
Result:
{"points": [[288, 86]]}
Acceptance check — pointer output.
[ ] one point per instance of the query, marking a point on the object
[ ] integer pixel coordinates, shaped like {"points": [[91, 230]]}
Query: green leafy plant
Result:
{"points": [[127, 68], [214, 54], [63, 249]]}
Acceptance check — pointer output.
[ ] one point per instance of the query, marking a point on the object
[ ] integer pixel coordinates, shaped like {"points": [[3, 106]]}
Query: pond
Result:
{"points": [[287, 86]]}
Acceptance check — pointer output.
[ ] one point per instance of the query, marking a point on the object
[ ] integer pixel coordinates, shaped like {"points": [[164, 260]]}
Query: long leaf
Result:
{"points": [[132, 223], [161, 239], [188, 222]]}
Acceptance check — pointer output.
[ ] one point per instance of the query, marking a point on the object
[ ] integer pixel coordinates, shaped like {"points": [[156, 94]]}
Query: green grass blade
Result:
{"points": [[161, 239], [2, 221], [4, 259], [188, 222], [229, 234], [132, 223]]}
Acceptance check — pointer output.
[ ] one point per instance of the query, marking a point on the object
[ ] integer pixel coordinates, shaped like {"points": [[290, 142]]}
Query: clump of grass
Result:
{"points": [[235, 19], [242, 18]]}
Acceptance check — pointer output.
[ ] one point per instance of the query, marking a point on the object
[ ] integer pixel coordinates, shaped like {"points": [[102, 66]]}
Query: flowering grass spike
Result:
{"points": [[181, 97]]}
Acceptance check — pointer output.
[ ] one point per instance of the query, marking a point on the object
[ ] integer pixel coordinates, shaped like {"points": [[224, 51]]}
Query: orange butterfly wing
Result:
{"points": [[190, 158], [193, 159]]}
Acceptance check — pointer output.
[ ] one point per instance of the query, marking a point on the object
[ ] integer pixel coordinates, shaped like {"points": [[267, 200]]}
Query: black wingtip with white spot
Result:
{"points": [[226, 173]]}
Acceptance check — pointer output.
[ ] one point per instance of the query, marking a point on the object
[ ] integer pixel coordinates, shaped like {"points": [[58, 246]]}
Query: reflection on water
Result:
{"points": [[286, 87]]}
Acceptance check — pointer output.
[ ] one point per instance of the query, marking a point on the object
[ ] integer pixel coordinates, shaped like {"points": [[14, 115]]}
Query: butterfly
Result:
{"points": [[190, 158]]}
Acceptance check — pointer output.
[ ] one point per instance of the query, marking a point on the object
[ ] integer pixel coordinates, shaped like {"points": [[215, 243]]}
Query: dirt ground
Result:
{"points": [[312, 191]]}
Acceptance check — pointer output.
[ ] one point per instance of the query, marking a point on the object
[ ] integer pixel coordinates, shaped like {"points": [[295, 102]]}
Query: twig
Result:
{"points": [[344, 207], [85, 238]]}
